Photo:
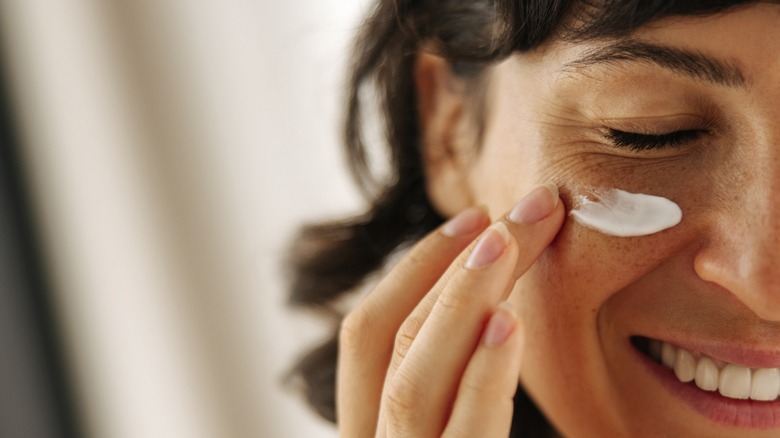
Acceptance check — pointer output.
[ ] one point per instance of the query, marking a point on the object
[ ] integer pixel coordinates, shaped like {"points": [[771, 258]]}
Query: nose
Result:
{"points": [[743, 255]]}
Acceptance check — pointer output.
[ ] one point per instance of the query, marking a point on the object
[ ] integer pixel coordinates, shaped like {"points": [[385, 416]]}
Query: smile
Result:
{"points": [[730, 385], [708, 374]]}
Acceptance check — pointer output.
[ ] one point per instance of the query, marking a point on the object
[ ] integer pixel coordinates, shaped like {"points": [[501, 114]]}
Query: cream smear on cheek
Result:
{"points": [[623, 214]]}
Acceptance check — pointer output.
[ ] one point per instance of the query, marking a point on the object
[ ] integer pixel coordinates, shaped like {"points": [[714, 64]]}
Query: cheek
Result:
{"points": [[500, 178], [562, 301], [584, 266], [505, 170]]}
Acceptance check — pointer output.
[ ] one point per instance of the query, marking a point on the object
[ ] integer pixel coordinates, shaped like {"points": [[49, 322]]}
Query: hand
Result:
{"points": [[433, 351]]}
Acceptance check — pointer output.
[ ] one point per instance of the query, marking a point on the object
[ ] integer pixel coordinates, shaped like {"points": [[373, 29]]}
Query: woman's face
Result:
{"points": [[710, 284]]}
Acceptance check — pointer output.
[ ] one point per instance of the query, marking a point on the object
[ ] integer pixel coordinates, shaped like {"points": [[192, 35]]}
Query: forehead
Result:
{"points": [[740, 44], [595, 19], [749, 33]]}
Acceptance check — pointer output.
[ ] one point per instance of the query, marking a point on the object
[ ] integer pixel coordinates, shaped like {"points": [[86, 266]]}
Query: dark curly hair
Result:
{"points": [[328, 260]]}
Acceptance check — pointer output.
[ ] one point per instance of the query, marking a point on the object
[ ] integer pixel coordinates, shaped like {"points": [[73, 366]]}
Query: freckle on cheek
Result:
{"points": [[623, 214]]}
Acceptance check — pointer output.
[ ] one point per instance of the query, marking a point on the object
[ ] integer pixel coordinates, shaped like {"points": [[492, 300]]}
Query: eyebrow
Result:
{"points": [[693, 64]]}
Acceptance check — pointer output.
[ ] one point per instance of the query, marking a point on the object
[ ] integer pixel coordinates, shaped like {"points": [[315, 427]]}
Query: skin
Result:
{"points": [[412, 350]]}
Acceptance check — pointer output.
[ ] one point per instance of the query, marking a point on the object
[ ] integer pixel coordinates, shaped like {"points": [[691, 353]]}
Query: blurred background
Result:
{"points": [[157, 158]]}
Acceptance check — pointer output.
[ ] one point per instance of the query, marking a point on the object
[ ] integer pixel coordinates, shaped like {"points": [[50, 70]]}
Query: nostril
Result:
{"points": [[754, 281]]}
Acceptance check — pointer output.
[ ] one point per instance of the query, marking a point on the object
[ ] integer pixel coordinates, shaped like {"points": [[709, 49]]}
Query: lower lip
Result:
{"points": [[744, 414]]}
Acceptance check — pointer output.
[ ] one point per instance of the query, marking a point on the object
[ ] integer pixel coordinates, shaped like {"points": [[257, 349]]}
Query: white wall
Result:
{"points": [[173, 148]]}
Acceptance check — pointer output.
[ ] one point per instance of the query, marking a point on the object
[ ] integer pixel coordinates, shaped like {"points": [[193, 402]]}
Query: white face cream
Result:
{"points": [[623, 214]]}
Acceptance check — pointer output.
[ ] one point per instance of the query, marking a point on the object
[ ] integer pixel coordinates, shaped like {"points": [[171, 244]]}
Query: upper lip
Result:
{"points": [[743, 354]]}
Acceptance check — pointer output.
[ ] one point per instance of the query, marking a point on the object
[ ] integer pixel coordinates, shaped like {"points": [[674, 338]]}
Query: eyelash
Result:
{"points": [[644, 142]]}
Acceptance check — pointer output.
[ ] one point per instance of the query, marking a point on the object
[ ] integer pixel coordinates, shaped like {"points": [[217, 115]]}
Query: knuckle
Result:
{"points": [[490, 411], [355, 330], [454, 300], [459, 431], [424, 248], [402, 401], [479, 387], [422, 253], [405, 336], [413, 261], [481, 380]]}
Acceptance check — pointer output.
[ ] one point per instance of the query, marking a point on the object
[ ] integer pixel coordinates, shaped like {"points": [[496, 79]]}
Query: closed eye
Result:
{"points": [[643, 142]]}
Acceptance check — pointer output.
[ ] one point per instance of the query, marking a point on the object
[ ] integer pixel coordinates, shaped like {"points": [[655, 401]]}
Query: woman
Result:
{"points": [[670, 331]]}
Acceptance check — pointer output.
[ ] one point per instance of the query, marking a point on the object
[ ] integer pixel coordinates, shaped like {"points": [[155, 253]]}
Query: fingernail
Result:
{"points": [[500, 326], [489, 247], [464, 223], [537, 205]]}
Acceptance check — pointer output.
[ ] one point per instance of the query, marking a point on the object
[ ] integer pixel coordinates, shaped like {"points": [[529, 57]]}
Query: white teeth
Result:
{"points": [[732, 381], [668, 355], [685, 366], [707, 375], [766, 384], [735, 382]]}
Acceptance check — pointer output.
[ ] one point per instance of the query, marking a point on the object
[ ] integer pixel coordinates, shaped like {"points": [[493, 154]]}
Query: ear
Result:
{"points": [[445, 150]]}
